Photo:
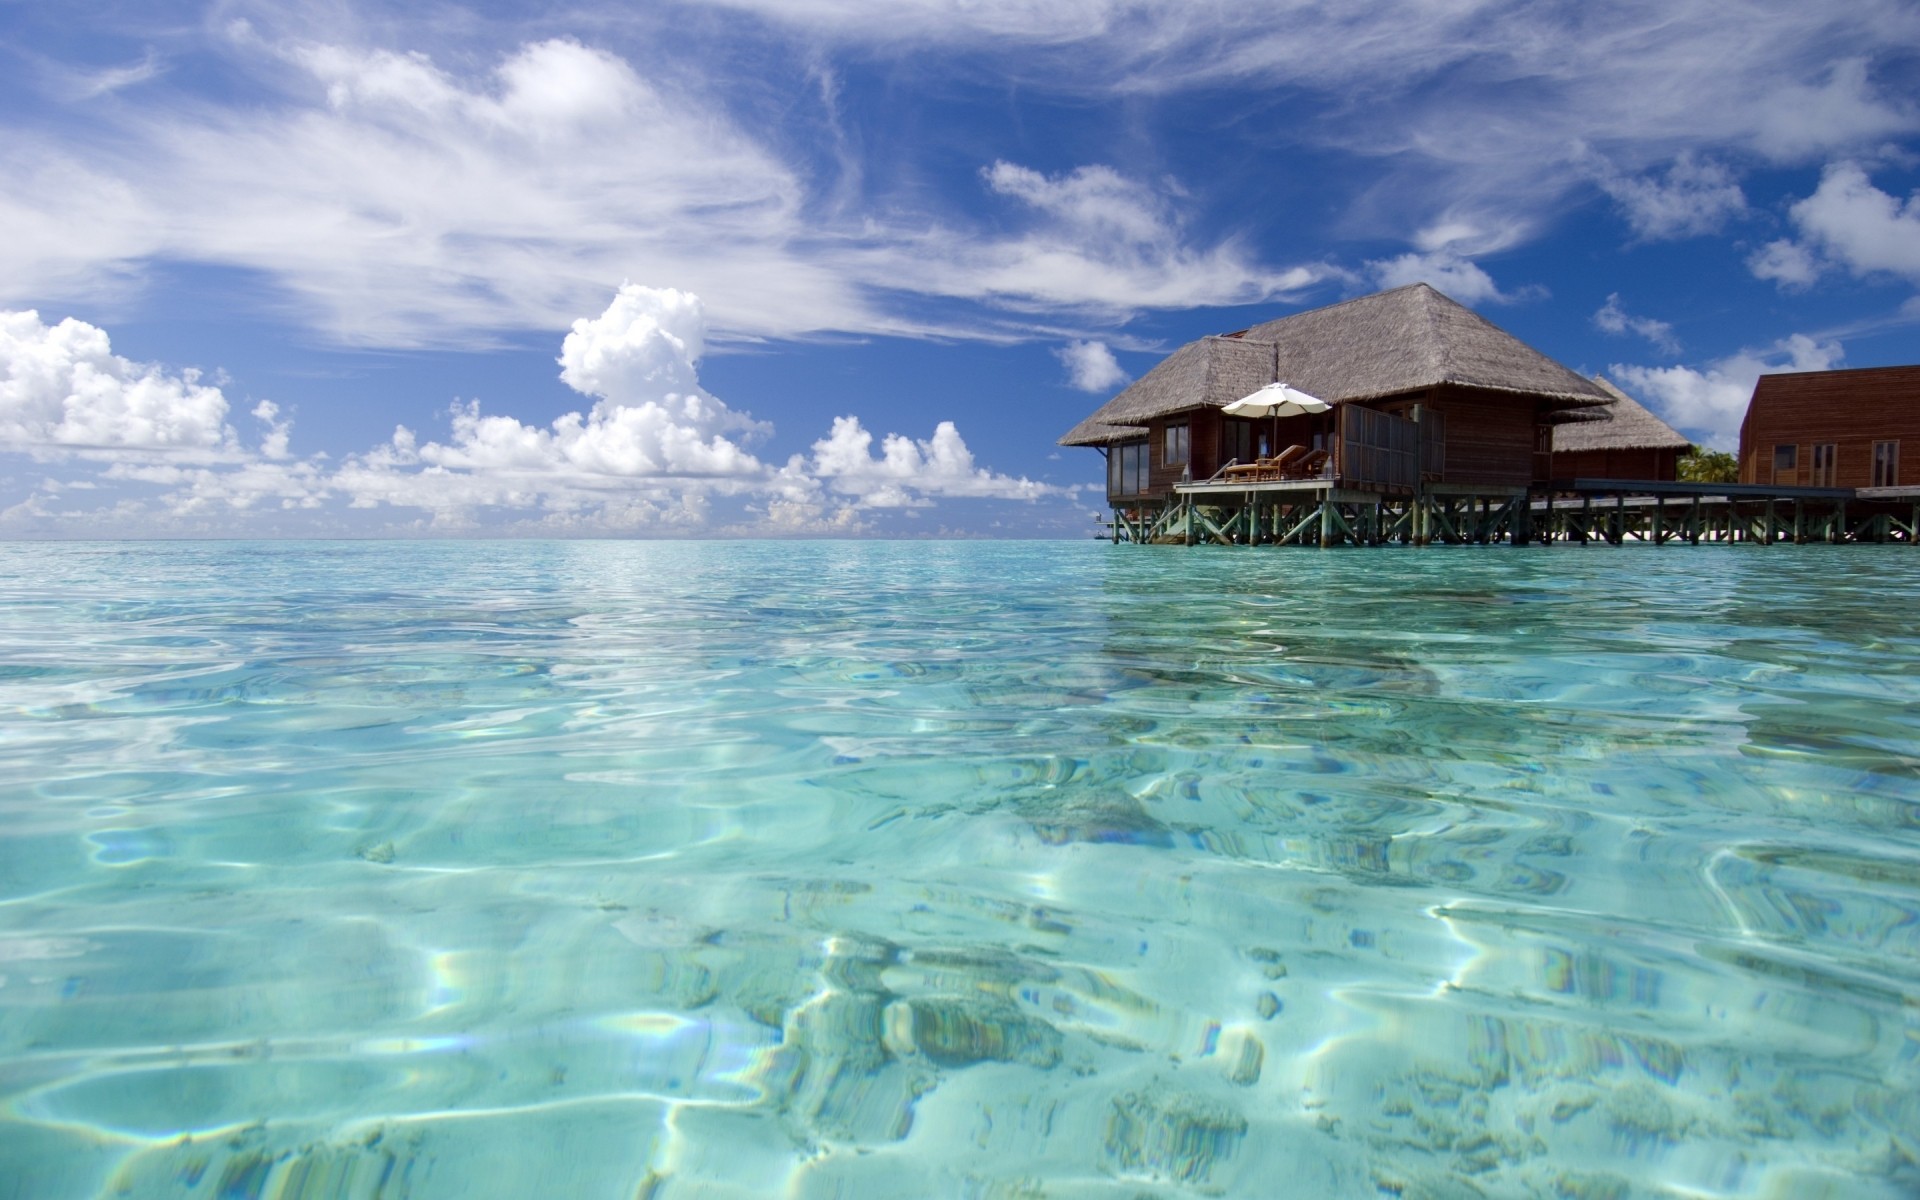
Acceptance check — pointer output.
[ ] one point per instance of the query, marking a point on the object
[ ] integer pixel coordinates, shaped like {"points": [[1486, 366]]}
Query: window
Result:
{"points": [[1886, 464], [1785, 460], [1127, 469], [1178, 438], [1823, 473]]}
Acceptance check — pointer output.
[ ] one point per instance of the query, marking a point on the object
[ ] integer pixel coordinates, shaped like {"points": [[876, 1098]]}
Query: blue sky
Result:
{"points": [[803, 267]]}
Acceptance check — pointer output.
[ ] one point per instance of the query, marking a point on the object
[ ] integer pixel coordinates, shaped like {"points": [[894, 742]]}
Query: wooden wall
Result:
{"points": [[1617, 464], [1490, 435], [1490, 439], [1849, 409]]}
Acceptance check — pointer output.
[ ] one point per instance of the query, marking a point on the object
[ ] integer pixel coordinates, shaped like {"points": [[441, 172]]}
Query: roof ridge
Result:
{"points": [[1405, 287]]}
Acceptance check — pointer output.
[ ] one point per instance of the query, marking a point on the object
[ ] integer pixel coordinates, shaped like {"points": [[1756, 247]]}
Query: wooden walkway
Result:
{"points": [[1318, 512]]}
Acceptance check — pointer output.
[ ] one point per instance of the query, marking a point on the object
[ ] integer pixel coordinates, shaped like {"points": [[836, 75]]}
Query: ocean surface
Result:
{"points": [[659, 871]]}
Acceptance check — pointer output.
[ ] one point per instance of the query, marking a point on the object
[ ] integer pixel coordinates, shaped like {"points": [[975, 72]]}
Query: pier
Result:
{"points": [[1610, 512]]}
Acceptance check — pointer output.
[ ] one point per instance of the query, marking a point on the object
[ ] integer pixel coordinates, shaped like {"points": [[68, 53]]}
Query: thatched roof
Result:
{"points": [[1213, 370], [1624, 424], [1404, 340]]}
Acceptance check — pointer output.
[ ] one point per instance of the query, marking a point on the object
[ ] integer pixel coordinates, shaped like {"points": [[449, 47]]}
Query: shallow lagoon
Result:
{"points": [[983, 870]]}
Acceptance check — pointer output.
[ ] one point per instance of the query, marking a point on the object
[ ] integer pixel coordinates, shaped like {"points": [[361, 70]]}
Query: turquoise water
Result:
{"points": [[977, 870]]}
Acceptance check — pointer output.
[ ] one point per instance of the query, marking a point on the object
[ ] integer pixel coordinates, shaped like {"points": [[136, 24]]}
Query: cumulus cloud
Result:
{"points": [[1091, 366], [1846, 224], [1694, 198], [653, 430], [907, 472], [656, 452], [1786, 262], [645, 344], [1708, 404], [64, 390], [1861, 227], [1612, 318]]}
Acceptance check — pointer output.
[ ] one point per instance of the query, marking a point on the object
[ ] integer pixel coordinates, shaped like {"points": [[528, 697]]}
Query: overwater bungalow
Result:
{"points": [[1426, 399], [1623, 440], [1833, 429], [1409, 418]]}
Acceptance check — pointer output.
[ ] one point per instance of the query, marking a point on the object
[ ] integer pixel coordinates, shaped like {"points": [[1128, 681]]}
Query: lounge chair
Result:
{"points": [[1307, 467], [1275, 467], [1282, 462]]}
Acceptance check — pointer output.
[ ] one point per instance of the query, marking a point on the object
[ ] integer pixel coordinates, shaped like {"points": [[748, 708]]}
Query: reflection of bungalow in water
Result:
{"points": [[1427, 396], [1833, 429], [1620, 441]]}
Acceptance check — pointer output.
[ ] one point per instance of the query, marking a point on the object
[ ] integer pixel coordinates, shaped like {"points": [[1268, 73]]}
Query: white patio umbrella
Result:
{"points": [[1277, 400]]}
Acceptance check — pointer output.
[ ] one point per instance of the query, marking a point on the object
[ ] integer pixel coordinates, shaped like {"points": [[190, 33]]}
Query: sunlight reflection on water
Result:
{"points": [[890, 869]]}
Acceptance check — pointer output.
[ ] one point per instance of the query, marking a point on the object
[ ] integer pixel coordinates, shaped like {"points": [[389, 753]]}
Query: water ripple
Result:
{"points": [[929, 869]]}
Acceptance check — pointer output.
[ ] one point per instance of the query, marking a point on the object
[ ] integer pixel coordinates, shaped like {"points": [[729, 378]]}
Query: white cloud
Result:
{"points": [[1475, 105], [655, 433], [1612, 318], [399, 199], [1460, 278], [1798, 121], [1695, 198], [656, 453], [644, 346], [1859, 226], [1708, 405], [1093, 200], [64, 390], [1786, 262], [279, 433], [1091, 366], [89, 85], [1849, 224], [906, 472], [1099, 242], [399, 202]]}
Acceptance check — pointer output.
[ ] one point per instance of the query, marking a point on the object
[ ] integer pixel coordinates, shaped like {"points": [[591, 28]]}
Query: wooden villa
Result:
{"points": [[1440, 427], [1841, 429], [1623, 440], [1437, 414]]}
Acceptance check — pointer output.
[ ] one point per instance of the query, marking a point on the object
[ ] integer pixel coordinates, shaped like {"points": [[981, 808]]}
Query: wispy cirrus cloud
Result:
{"points": [[396, 201], [1487, 107], [1612, 317], [393, 197], [1691, 199]]}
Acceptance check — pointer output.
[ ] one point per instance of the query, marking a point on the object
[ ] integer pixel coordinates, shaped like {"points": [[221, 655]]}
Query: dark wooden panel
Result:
{"points": [[1490, 436], [1206, 455], [1640, 463]]}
